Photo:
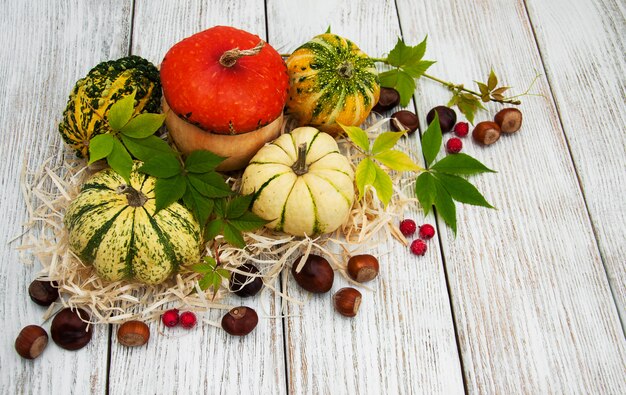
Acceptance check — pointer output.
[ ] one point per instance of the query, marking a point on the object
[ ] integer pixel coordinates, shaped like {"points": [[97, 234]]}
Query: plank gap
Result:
{"points": [[573, 162]]}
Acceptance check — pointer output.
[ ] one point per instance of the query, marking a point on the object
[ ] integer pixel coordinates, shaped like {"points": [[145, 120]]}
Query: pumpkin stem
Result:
{"points": [[300, 166], [346, 70], [230, 57], [135, 198]]}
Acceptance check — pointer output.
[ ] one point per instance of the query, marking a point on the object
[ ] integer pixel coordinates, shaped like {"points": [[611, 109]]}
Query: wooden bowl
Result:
{"points": [[238, 148]]}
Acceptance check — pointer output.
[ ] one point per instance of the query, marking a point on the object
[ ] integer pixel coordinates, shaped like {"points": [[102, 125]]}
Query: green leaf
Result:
{"points": [[327, 29], [168, 191], [358, 136], [417, 70], [425, 191], [213, 229], [219, 207], [144, 149], [400, 81], [143, 125], [365, 175], [396, 160], [233, 236], [211, 184], [404, 55], [492, 82], [100, 147], [202, 268], [237, 206], [460, 164], [445, 205], [205, 282], [201, 161], [383, 185], [462, 190], [386, 141], [501, 90], [199, 205], [161, 165], [248, 222], [121, 111], [431, 140], [119, 159], [484, 90]]}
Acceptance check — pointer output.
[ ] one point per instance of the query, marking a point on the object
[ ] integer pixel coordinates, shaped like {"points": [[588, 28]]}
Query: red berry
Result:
{"points": [[461, 129], [454, 145], [427, 232], [188, 320], [408, 227], [418, 247], [170, 318]]}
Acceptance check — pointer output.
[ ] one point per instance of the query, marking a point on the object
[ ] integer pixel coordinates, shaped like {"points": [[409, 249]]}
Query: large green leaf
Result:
{"points": [[200, 206], [143, 125], [211, 184], [462, 190], [168, 191], [237, 206], [383, 185], [201, 161], [365, 175], [248, 222], [233, 236], [100, 147], [425, 191], [460, 164], [121, 111], [358, 136], [431, 140], [396, 160], [162, 165], [400, 81], [146, 148], [119, 159], [386, 141], [445, 205]]}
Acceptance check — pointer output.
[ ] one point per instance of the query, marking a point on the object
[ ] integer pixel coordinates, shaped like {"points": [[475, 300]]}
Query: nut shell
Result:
{"points": [[243, 285], [509, 120], [240, 321], [363, 268], [31, 341], [404, 120], [347, 301], [447, 117], [486, 132], [316, 275], [389, 98], [44, 293], [69, 331], [133, 334]]}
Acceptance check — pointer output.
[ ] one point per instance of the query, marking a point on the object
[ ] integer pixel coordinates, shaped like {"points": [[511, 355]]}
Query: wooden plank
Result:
{"points": [[402, 340], [48, 45], [530, 295], [587, 80], [205, 360]]}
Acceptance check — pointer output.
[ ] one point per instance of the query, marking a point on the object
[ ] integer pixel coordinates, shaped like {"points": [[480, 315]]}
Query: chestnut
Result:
{"points": [[347, 301], [316, 275], [388, 99], [44, 293], [486, 132], [69, 331], [404, 120], [243, 285], [31, 341], [240, 321], [133, 333], [447, 117], [509, 120], [363, 268]]}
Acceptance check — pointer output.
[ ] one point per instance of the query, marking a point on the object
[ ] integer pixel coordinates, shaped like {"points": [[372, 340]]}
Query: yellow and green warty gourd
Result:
{"points": [[331, 81], [301, 183], [112, 226]]}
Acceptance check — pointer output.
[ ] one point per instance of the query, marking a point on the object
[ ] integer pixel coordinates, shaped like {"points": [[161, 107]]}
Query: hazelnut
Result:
{"points": [[404, 120], [133, 333], [316, 275], [447, 117], [69, 331], [486, 132], [44, 293], [243, 285], [31, 341], [509, 120], [388, 99], [363, 268], [240, 321], [347, 301]]}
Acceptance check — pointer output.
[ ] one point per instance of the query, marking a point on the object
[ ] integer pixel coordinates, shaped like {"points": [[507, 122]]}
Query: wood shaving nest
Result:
{"points": [[49, 189]]}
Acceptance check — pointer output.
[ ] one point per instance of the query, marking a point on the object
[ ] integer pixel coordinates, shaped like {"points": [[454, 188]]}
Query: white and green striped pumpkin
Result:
{"points": [[113, 226], [301, 183], [331, 81]]}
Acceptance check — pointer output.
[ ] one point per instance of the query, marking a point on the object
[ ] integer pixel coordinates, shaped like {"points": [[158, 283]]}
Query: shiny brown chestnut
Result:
{"points": [[447, 117], [133, 333], [31, 341], [404, 120], [363, 268], [388, 99], [244, 285], [69, 331], [240, 321], [486, 132], [509, 120], [44, 293], [316, 275], [347, 301]]}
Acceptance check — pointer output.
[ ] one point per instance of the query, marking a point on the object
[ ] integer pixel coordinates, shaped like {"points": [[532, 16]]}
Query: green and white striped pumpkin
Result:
{"points": [[331, 81], [112, 226], [301, 183]]}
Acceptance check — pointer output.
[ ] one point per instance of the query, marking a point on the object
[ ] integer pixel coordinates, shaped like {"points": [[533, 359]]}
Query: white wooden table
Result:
{"points": [[527, 299]]}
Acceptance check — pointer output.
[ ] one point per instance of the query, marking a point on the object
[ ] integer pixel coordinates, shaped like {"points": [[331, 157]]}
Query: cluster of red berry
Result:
{"points": [[171, 318], [455, 145], [426, 232]]}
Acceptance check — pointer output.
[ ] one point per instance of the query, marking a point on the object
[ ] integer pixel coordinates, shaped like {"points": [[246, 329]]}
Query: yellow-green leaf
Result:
{"points": [[396, 160], [365, 175], [121, 111], [386, 141], [119, 159], [383, 185], [358, 136], [100, 147], [143, 125]]}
